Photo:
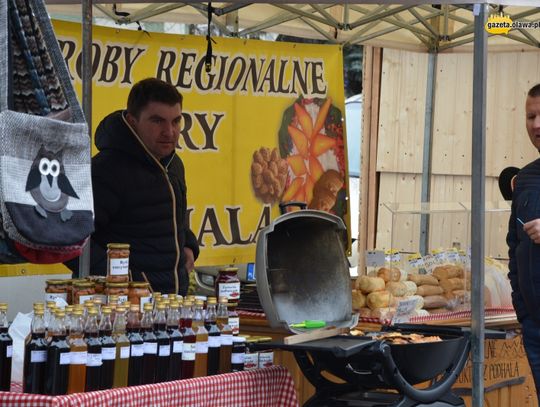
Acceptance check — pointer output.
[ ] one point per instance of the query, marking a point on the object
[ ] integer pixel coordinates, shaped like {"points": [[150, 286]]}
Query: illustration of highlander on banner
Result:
{"points": [[264, 126]]}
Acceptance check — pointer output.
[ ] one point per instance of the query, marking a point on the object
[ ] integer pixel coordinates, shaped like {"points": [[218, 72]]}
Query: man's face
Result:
{"points": [[158, 127], [532, 110]]}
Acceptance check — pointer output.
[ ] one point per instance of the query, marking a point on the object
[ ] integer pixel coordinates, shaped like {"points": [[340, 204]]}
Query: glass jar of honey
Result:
{"points": [[82, 291], [228, 285], [118, 291], [139, 293], [118, 263], [56, 289]]}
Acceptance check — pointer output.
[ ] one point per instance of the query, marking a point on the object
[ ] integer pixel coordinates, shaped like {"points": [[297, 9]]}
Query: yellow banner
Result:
{"points": [[263, 126]]}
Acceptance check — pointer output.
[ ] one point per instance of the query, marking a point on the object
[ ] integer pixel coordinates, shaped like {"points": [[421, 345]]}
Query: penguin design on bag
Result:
{"points": [[49, 185]]}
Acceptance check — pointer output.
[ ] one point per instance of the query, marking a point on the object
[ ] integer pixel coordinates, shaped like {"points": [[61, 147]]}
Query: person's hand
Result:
{"points": [[532, 228], [190, 259]]}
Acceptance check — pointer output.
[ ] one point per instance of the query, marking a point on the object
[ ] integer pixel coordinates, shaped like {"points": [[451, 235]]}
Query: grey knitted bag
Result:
{"points": [[46, 198]]}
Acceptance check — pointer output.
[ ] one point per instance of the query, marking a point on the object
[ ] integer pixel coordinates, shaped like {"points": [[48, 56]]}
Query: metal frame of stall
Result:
{"points": [[478, 159]]}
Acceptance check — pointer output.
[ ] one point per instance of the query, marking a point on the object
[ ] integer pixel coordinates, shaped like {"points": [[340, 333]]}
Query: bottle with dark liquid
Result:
{"points": [[238, 354], [6, 349], [164, 344], [189, 347], [137, 346], [226, 336], [35, 355], [78, 354], [58, 357], [173, 329], [214, 337], [121, 364], [94, 361], [150, 346], [201, 344], [108, 349]]}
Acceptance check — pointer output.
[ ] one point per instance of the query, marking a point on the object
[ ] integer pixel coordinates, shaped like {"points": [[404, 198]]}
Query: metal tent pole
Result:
{"points": [[478, 201], [84, 260]]}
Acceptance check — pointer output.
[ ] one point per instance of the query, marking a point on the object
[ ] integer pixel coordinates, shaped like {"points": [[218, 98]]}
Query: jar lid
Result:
{"points": [[98, 279], [83, 283], [120, 246], [238, 339], [56, 282], [229, 270], [138, 284], [117, 285]]}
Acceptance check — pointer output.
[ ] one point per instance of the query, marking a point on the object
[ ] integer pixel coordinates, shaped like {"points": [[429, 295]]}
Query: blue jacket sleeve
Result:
{"points": [[512, 241]]}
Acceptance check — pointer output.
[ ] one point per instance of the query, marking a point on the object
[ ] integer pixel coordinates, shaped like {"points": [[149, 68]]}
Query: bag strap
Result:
{"points": [[53, 51]]}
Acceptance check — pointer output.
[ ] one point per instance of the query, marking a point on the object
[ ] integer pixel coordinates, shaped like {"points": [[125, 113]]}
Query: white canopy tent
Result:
{"points": [[434, 26]]}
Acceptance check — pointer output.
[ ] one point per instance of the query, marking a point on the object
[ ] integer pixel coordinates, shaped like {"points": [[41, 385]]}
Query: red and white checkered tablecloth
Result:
{"points": [[269, 387]]}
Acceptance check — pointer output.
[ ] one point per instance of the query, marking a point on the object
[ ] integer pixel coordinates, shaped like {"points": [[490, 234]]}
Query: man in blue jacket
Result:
{"points": [[524, 242], [140, 193]]}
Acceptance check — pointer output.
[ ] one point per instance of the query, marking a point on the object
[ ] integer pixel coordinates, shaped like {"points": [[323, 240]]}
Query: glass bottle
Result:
{"points": [[164, 345], [214, 337], [226, 336], [238, 354], [35, 355], [137, 346], [189, 346], [108, 349], [78, 352], [150, 346], [58, 357], [234, 319], [201, 344], [173, 329], [228, 285], [6, 349], [94, 361], [121, 363]]}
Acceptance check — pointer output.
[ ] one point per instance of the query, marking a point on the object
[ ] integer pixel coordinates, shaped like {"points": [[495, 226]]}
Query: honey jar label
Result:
{"points": [[124, 352], [83, 298], [79, 358], [122, 299], [144, 300], [65, 358], [177, 346], [119, 267], [229, 290], [188, 352], [54, 296]]}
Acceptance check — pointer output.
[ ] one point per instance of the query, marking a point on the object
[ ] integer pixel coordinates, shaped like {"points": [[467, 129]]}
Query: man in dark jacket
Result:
{"points": [[524, 242], [140, 189]]}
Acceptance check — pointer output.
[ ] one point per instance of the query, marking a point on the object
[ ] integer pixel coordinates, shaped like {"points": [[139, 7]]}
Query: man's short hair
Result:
{"points": [[534, 92], [151, 90]]}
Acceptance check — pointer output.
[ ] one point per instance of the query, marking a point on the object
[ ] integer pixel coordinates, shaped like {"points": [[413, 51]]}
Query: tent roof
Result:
{"points": [[405, 25]]}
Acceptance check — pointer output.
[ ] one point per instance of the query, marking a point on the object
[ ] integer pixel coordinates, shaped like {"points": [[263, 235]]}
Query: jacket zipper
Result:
{"points": [[164, 171]]}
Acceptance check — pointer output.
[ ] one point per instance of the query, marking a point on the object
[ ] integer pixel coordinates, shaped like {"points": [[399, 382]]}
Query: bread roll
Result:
{"points": [[389, 274], [423, 279], [364, 312], [369, 284], [452, 284], [396, 289], [358, 299], [383, 313], [435, 301], [411, 287], [448, 271], [421, 313], [425, 290], [419, 301], [379, 299]]}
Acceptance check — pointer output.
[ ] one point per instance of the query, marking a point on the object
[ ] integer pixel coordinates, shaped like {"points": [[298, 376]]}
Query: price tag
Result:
{"points": [[453, 256], [429, 263], [375, 258], [404, 311], [416, 261], [439, 256], [393, 257]]}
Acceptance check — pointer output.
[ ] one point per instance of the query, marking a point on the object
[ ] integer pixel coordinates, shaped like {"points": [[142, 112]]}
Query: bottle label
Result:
{"points": [[122, 299], [9, 351], [79, 358], [124, 352], [238, 358], [188, 351], [214, 341], [65, 358], [164, 350], [226, 340], [108, 353], [150, 348], [266, 359], [94, 360], [83, 298], [201, 347], [54, 296], [177, 346], [137, 350], [234, 323], [119, 267], [229, 290], [251, 361], [38, 356], [144, 300]]}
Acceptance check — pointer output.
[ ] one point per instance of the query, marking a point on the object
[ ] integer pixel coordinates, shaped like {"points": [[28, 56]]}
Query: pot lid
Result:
{"points": [[302, 270]]}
